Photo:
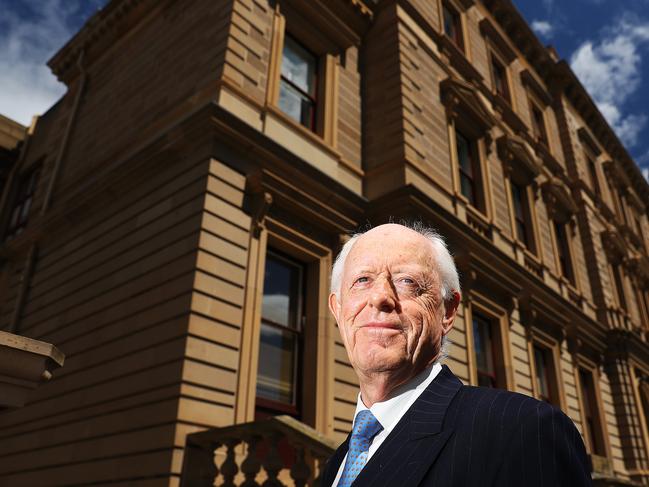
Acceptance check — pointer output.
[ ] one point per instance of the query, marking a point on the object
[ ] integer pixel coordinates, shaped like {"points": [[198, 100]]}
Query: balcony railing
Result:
{"points": [[279, 451]]}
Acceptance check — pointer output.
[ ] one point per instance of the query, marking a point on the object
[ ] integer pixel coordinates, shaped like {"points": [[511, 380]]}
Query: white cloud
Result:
{"points": [[610, 69], [543, 28], [30, 34]]}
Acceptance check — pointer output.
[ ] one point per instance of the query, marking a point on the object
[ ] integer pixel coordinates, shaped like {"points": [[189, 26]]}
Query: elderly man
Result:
{"points": [[395, 294]]}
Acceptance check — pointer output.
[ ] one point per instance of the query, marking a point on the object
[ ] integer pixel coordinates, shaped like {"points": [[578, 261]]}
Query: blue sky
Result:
{"points": [[605, 41], [607, 44]]}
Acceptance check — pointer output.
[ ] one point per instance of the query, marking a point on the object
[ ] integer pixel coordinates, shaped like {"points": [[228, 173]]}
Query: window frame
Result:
{"points": [[583, 368], [476, 161], [538, 125], [317, 376], [289, 21], [637, 377], [458, 39], [495, 58], [28, 181], [265, 404], [617, 274], [528, 210], [312, 97], [478, 303], [550, 348], [591, 168], [565, 267]]}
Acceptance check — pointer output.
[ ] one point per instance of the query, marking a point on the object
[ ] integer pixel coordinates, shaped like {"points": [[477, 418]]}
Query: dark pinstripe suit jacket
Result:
{"points": [[456, 435]]}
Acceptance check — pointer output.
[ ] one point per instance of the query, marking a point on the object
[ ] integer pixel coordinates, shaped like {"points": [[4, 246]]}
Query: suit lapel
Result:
{"points": [[414, 444]]}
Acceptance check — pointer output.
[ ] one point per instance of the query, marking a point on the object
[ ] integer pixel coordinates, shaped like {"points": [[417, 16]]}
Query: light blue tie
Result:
{"points": [[366, 426]]}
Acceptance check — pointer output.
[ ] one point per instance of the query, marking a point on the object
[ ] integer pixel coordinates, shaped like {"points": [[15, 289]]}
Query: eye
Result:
{"points": [[406, 281], [361, 280]]}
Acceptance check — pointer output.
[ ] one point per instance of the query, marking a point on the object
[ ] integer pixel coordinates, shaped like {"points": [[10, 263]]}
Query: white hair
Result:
{"points": [[446, 270]]}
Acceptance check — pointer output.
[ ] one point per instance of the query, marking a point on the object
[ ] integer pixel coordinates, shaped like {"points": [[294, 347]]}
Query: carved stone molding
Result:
{"points": [[561, 206], [518, 158], [614, 246], [461, 99]]}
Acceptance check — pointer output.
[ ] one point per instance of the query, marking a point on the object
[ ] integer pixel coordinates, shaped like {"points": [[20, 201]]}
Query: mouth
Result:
{"points": [[382, 326]]}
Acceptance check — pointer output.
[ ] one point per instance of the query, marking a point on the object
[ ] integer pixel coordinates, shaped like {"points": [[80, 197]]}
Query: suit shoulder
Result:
{"points": [[501, 405]]}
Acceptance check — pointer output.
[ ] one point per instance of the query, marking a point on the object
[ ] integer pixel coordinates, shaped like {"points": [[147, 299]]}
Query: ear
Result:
{"points": [[334, 306], [450, 312]]}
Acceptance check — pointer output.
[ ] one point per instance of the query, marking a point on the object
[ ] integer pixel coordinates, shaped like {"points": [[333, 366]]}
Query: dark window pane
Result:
{"points": [[295, 105], [22, 204], [542, 373], [469, 169], [483, 342], [563, 249], [538, 124], [281, 292], [281, 336], [592, 171], [519, 199], [500, 78], [453, 25], [617, 276], [297, 97], [592, 428], [277, 361], [299, 66]]}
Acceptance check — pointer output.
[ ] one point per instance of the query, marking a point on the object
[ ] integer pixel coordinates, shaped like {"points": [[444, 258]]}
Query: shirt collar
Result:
{"points": [[388, 412]]}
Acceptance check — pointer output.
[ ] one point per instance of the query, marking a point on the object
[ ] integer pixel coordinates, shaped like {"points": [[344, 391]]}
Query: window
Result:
{"points": [[499, 78], [298, 83], [563, 250], [643, 305], [592, 173], [281, 337], [590, 411], [619, 286], [469, 168], [22, 204], [637, 224], [642, 390], [545, 376], [538, 123], [453, 24], [617, 202], [522, 215], [487, 347]]}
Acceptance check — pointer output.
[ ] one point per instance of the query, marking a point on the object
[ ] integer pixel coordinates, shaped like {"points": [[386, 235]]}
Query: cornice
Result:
{"points": [[110, 23], [560, 79], [513, 149], [458, 96]]}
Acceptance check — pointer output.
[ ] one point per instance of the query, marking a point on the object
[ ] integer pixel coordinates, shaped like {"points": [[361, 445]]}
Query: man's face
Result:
{"points": [[389, 309]]}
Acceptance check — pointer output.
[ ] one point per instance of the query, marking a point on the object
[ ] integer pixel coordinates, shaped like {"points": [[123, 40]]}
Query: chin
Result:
{"points": [[381, 360]]}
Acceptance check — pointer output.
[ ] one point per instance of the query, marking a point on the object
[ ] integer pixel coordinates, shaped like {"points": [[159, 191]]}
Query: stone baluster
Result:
{"points": [[199, 465], [251, 465], [273, 464], [229, 468], [300, 471], [321, 465]]}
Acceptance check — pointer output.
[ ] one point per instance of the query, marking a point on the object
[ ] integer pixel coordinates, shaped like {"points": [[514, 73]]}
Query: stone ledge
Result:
{"points": [[24, 364]]}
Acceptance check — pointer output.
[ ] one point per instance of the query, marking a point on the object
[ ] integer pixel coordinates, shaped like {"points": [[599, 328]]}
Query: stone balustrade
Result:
{"points": [[275, 452]]}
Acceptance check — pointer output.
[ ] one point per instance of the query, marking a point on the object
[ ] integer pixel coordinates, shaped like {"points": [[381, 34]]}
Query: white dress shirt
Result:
{"points": [[389, 412]]}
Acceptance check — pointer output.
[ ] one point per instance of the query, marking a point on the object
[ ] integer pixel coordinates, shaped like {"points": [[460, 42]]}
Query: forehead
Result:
{"points": [[394, 245]]}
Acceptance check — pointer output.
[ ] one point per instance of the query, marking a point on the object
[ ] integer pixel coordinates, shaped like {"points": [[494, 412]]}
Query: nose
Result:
{"points": [[383, 296]]}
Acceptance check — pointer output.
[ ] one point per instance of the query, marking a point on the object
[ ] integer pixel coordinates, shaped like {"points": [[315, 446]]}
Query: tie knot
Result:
{"points": [[366, 425]]}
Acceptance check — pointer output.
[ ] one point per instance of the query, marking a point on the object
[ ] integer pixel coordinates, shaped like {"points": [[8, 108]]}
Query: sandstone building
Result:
{"points": [[170, 224]]}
